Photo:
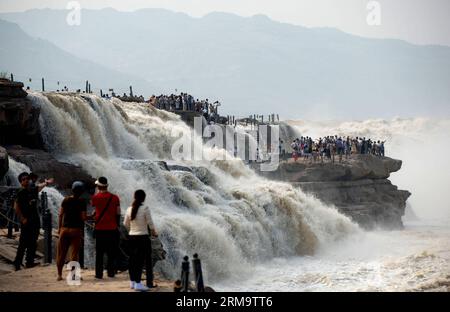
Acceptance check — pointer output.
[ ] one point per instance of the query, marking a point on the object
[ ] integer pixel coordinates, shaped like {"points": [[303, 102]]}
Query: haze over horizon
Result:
{"points": [[344, 192], [251, 64], [415, 21]]}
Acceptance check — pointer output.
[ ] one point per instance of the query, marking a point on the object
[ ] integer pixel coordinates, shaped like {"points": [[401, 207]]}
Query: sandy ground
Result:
{"points": [[43, 279]]}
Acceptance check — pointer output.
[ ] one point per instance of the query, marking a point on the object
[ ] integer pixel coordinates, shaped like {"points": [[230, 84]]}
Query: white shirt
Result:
{"points": [[138, 226]]}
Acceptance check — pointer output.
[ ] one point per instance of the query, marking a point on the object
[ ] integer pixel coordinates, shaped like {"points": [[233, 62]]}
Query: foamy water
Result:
{"points": [[415, 259], [221, 210]]}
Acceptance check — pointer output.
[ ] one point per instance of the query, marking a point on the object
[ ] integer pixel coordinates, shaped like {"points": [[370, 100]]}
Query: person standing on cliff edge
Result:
{"points": [[107, 222], [26, 209]]}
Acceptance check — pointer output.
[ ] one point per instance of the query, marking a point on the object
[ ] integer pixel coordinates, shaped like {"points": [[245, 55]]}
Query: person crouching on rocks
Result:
{"points": [[71, 218], [138, 220]]}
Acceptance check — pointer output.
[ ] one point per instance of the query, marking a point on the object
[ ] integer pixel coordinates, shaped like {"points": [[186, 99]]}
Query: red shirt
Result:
{"points": [[109, 219]]}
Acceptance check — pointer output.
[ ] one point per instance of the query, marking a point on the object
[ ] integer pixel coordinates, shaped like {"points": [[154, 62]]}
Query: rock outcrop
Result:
{"points": [[11, 89], [357, 167], [19, 118], [46, 166], [358, 187], [370, 203]]}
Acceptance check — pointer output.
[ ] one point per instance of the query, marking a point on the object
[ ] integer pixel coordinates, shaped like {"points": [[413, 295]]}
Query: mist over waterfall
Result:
{"points": [[222, 210]]}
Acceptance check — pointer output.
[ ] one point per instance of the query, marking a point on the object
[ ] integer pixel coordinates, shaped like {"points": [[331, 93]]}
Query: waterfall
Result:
{"points": [[15, 168], [221, 210]]}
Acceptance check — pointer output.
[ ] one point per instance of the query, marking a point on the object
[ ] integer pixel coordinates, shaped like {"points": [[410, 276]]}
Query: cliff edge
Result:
{"points": [[19, 118], [358, 187]]}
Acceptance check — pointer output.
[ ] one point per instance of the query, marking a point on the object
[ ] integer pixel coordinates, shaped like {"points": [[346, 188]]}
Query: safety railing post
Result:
{"points": [[198, 275], [81, 252], [185, 274], [47, 225], [10, 215]]}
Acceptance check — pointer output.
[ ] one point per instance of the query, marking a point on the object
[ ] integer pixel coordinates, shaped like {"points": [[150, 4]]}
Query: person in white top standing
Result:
{"points": [[138, 221]]}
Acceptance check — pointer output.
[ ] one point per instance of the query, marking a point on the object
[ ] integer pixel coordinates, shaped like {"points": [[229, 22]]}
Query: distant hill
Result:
{"points": [[27, 57], [257, 65]]}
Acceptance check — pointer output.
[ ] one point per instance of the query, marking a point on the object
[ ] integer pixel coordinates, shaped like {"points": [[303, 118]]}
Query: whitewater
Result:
{"points": [[219, 209], [252, 234]]}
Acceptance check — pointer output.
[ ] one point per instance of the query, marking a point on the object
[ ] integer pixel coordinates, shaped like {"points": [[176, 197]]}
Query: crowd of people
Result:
{"points": [[330, 146], [126, 98], [173, 102], [72, 216], [185, 102]]}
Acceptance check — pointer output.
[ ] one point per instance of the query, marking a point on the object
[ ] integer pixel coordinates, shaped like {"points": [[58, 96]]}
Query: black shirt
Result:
{"points": [[34, 190], [72, 208], [28, 205]]}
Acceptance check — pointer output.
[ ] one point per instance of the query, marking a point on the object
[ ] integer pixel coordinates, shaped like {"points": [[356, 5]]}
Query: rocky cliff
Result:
{"points": [[19, 119], [20, 134], [358, 187]]}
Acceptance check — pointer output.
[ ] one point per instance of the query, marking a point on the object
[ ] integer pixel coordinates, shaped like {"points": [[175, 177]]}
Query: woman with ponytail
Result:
{"points": [[138, 220]]}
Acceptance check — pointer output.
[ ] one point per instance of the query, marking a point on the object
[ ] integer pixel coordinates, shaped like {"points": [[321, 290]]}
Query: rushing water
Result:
{"points": [[414, 259], [231, 217], [252, 234]]}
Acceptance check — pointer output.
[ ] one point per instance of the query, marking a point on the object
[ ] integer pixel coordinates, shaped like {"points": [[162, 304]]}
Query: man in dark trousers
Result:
{"points": [[107, 221], [27, 212]]}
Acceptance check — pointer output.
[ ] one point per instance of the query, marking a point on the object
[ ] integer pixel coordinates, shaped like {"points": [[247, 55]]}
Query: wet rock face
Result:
{"points": [[357, 187], [19, 118], [370, 203], [46, 166]]}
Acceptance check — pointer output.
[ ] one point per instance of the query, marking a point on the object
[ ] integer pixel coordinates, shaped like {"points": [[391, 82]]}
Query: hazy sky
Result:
{"points": [[417, 21]]}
